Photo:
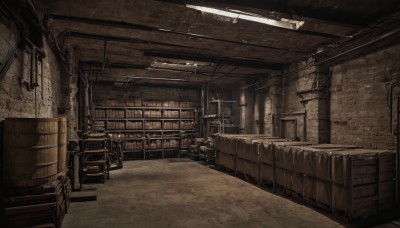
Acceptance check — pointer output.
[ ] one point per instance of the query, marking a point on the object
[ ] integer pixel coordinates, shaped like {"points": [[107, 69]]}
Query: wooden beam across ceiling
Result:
{"points": [[121, 24], [95, 65]]}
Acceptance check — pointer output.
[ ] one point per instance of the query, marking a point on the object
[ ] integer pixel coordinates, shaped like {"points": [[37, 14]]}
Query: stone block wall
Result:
{"points": [[360, 100], [122, 91], [259, 108], [300, 101], [15, 99], [354, 102]]}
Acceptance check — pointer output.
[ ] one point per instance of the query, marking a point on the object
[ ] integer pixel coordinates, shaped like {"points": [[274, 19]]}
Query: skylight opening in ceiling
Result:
{"points": [[236, 14]]}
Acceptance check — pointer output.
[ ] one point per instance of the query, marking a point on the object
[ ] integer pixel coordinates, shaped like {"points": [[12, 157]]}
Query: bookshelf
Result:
{"points": [[149, 132]]}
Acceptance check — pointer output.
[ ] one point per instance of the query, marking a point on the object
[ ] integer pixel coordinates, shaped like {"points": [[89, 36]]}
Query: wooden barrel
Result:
{"points": [[30, 151], [62, 145]]}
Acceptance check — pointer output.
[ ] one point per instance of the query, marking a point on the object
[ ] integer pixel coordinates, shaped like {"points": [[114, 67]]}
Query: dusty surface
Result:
{"points": [[164, 193]]}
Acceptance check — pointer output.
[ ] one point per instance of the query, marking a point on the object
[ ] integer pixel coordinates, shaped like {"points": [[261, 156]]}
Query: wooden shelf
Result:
{"points": [[94, 151], [133, 151], [97, 162], [169, 117], [141, 108]]}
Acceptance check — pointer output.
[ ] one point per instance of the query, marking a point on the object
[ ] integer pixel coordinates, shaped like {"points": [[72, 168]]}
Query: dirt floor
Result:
{"points": [[184, 193]]}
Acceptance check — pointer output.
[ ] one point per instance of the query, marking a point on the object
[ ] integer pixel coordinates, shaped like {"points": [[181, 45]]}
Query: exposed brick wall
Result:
{"points": [[352, 109], [122, 91], [15, 99], [260, 107], [250, 121], [291, 102], [359, 100]]}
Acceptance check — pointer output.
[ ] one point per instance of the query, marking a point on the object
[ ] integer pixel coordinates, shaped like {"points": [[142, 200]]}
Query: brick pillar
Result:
{"points": [[316, 103]]}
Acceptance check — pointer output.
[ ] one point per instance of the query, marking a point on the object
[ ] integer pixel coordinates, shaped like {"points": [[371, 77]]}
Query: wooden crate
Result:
{"points": [[247, 168], [363, 182], [227, 161], [46, 204], [247, 149]]}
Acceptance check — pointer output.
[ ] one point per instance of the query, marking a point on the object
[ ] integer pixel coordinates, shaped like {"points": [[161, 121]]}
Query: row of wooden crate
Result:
{"points": [[345, 179], [140, 103], [42, 205]]}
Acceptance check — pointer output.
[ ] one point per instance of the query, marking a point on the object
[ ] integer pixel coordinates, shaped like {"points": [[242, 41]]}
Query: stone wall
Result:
{"points": [[360, 100], [259, 108], [122, 91], [349, 103], [15, 99]]}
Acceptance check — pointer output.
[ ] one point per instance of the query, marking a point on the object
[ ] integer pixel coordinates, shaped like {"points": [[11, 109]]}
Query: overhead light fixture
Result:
{"points": [[179, 63], [147, 78], [237, 14]]}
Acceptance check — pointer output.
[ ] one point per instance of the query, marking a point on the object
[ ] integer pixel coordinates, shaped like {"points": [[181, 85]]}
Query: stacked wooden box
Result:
{"points": [[46, 204], [226, 151], [344, 179], [34, 185], [362, 181]]}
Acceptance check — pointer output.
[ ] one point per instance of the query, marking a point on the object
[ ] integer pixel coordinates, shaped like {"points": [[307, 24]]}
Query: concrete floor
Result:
{"points": [[184, 193]]}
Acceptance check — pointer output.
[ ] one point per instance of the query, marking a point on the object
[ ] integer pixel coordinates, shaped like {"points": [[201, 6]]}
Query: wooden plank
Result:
{"points": [[83, 196], [46, 225], [31, 199], [30, 208]]}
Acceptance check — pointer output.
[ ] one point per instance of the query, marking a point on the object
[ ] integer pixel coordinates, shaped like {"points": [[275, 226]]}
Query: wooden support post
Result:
{"points": [[76, 184]]}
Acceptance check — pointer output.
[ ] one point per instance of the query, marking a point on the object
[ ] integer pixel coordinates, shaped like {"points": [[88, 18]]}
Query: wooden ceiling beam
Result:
{"points": [[121, 24]]}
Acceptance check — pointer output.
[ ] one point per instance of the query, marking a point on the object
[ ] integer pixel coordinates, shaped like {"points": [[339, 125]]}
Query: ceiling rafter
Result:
{"points": [[121, 24], [97, 65], [118, 39]]}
